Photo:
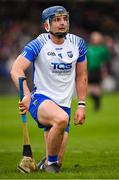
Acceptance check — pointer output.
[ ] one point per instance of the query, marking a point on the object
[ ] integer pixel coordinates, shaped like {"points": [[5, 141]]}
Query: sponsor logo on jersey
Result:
{"points": [[51, 54], [70, 54], [61, 68]]}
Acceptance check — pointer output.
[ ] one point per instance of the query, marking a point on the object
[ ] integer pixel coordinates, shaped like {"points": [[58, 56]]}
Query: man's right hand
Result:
{"points": [[24, 104]]}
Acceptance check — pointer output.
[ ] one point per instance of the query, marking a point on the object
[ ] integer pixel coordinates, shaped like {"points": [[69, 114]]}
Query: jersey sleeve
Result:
{"points": [[31, 50], [82, 50]]}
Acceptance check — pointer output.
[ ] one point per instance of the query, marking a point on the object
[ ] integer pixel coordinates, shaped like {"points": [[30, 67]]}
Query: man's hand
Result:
{"points": [[24, 104], [79, 116]]}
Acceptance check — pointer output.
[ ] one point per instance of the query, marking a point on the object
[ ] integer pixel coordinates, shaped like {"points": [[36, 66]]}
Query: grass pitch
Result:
{"points": [[92, 151]]}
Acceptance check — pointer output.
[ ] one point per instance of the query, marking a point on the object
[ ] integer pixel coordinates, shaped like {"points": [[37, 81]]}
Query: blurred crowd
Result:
{"points": [[20, 22]]}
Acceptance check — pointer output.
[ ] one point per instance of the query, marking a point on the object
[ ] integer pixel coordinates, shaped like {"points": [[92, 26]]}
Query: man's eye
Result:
{"points": [[65, 18], [57, 19]]}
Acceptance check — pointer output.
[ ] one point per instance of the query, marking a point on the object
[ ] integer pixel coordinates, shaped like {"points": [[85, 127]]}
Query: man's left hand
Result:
{"points": [[79, 116]]}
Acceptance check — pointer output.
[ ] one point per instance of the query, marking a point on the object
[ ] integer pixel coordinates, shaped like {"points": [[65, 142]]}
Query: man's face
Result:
{"points": [[59, 23]]}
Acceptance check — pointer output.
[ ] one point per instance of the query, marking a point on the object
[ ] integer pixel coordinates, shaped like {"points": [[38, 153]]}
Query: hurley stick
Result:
{"points": [[27, 163]]}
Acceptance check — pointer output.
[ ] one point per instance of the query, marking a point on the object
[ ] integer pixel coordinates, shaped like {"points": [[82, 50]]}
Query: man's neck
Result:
{"points": [[56, 40]]}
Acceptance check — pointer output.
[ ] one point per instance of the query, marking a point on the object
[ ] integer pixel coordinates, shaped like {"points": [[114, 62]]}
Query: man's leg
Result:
{"points": [[62, 147], [49, 114]]}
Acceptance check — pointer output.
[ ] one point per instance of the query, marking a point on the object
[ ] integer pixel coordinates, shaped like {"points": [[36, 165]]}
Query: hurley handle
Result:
{"points": [[21, 93]]}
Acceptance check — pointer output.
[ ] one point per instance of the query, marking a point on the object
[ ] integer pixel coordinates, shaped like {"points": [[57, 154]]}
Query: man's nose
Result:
{"points": [[62, 21]]}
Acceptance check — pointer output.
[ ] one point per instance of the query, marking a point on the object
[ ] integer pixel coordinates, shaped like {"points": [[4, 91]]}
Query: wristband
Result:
{"points": [[82, 104]]}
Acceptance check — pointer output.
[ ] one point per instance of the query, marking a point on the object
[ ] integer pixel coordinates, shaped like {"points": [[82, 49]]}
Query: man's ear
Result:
{"points": [[46, 26]]}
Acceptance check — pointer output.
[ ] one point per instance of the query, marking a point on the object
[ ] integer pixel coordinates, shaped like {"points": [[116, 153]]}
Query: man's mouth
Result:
{"points": [[62, 29]]}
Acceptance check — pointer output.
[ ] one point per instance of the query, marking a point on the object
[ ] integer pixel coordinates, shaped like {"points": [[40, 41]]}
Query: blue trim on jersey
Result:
{"points": [[28, 54], [32, 49], [36, 100], [82, 58], [82, 50], [80, 43]]}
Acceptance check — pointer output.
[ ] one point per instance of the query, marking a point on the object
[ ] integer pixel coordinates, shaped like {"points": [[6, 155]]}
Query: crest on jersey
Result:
{"points": [[70, 54], [60, 55]]}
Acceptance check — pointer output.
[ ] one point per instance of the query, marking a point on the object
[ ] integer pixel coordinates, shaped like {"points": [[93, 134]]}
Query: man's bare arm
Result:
{"points": [[81, 88], [18, 70], [81, 80]]}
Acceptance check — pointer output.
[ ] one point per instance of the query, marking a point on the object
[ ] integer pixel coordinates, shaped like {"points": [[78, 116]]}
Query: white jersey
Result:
{"points": [[54, 66]]}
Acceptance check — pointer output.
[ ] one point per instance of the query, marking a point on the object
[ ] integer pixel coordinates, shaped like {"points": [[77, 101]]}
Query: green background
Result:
{"points": [[92, 151]]}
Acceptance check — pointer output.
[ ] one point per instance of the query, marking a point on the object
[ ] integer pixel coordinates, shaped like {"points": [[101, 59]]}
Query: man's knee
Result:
{"points": [[62, 121]]}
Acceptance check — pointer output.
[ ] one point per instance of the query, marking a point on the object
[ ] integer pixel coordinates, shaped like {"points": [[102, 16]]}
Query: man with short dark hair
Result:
{"points": [[59, 63]]}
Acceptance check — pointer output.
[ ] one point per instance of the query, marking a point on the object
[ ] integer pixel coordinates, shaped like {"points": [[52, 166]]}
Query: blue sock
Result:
{"points": [[52, 159]]}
